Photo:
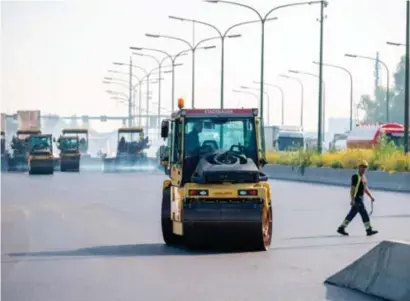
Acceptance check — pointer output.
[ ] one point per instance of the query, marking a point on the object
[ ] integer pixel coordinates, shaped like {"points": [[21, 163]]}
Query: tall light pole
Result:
{"points": [[193, 49], [322, 106], [301, 95], [167, 55], [387, 77], [406, 79], [121, 80], [145, 74], [407, 83], [130, 91], [147, 77], [282, 100], [321, 110], [222, 37], [159, 63], [266, 94], [246, 92], [263, 20], [351, 88], [173, 59]]}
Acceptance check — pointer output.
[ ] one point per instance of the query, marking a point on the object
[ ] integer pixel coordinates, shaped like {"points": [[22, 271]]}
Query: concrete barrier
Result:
{"points": [[382, 272], [399, 182]]}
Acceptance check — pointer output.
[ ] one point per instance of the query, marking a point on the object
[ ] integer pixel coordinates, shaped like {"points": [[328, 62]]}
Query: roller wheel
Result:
{"points": [[166, 223], [265, 236]]}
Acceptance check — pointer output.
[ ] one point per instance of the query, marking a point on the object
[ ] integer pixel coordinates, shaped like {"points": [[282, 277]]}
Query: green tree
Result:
{"points": [[375, 107]]}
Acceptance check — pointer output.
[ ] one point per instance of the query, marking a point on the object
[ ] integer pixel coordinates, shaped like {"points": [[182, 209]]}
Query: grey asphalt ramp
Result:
{"points": [[383, 272]]}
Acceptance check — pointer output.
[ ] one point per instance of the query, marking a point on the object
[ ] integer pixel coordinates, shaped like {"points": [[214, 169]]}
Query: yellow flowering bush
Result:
{"points": [[384, 157]]}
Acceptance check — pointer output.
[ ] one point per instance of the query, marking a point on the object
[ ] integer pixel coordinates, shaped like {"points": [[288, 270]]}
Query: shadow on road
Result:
{"points": [[150, 249], [392, 216], [320, 246], [334, 293]]}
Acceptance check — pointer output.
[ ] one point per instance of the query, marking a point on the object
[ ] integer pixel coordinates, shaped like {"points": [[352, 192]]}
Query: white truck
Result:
{"points": [[271, 135], [290, 138]]}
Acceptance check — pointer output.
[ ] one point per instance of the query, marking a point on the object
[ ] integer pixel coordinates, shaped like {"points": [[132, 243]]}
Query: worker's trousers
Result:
{"points": [[358, 207]]}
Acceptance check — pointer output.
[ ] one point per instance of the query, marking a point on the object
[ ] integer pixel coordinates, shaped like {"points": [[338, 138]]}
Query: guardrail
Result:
{"points": [[399, 182]]}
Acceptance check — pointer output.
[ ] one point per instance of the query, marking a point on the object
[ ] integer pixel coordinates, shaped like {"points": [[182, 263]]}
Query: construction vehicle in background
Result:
{"points": [[82, 135], [271, 135], [70, 155], [40, 159], [216, 194], [28, 124], [290, 138], [4, 153], [20, 146], [339, 142], [131, 151]]}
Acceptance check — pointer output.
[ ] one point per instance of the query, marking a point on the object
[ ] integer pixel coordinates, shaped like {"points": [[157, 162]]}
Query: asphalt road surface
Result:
{"points": [[93, 236]]}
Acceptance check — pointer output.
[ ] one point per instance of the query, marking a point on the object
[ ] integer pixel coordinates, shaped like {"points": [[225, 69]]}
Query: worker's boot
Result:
{"points": [[341, 230], [371, 232]]}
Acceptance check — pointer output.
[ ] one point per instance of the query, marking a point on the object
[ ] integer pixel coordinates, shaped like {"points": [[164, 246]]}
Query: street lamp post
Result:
{"points": [[145, 74], [263, 20], [121, 80], [282, 100], [148, 81], [351, 88], [130, 92], [322, 105], [193, 49], [407, 82], [246, 92], [266, 94], [387, 77], [111, 80], [222, 37], [301, 95], [159, 63]]}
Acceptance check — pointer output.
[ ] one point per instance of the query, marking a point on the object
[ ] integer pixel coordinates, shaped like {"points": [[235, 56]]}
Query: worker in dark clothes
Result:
{"points": [[357, 191], [192, 138]]}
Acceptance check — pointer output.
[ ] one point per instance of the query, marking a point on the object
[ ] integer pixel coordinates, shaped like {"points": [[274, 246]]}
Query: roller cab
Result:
{"points": [[131, 151], [216, 194], [70, 155], [20, 149], [41, 159]]}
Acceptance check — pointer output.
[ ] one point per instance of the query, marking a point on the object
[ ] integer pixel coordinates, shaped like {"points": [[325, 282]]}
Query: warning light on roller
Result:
{"points": [[180, 103]]}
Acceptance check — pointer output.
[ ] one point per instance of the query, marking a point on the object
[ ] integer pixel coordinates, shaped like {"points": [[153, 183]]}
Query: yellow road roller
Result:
{"points": [[69, 153], [41, 159], [216, 194]]}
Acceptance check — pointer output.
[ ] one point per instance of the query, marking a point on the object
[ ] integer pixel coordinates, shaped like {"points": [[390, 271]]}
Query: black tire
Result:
{"points": [[265, 235], [166, 223]]}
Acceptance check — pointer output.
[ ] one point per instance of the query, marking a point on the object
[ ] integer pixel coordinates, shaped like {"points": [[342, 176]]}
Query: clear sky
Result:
{"points": [[54, 54]]}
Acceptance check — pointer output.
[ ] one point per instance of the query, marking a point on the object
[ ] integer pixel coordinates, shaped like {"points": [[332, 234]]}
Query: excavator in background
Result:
{"points": [[20, 145], [131, 151]]}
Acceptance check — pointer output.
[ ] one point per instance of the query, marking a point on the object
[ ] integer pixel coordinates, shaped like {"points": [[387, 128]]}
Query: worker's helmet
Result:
{"points": [[363, 163]]}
